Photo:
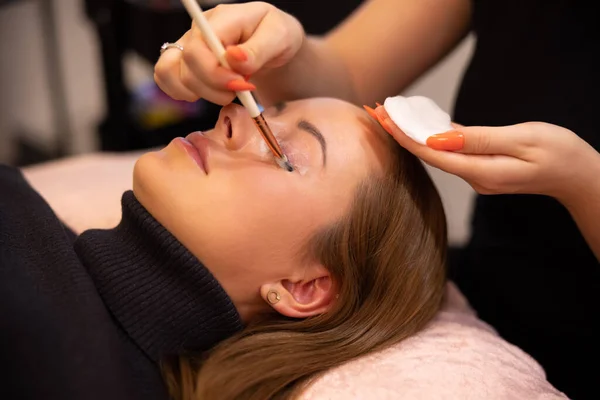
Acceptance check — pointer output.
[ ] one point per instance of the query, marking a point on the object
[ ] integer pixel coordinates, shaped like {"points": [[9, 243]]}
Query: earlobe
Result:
{"points": [[273, 296], [300, 299]]}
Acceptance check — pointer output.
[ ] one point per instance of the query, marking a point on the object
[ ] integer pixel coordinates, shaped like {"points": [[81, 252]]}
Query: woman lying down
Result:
{"points": [[228, 277]]}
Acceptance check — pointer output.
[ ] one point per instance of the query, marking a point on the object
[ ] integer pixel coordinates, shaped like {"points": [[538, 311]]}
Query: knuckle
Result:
{"points": [[264, 5], [188, 55], [161, 69], [159, 81], [483, 144], [531, 132], [219, 9], [176, 96], [187, 79], [191, 97], [536, 126], [282, 30]]}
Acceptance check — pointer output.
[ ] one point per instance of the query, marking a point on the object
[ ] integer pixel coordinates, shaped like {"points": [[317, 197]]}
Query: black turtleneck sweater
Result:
{"points": [[90, 317]]}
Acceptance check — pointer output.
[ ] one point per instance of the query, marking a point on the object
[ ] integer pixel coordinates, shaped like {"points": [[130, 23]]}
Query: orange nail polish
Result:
{"points": [[239, 85], [385, 125], [382, 119], [237, 53], [371, 112], [448, 141]]}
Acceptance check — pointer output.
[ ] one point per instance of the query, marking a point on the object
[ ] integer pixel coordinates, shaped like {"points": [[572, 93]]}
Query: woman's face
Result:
{"points": [[223, 196]]}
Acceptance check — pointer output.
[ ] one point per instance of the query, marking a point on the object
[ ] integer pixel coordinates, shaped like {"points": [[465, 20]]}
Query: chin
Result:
{"points": [[157, 186], [147, 174]]}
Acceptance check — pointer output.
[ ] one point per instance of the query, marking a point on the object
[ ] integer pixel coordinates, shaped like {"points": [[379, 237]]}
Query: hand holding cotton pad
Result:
{"points": [[417, 116]]}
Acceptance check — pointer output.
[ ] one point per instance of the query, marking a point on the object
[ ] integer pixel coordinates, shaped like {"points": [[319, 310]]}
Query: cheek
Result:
{"points": [[256, 215], [267, 201]]}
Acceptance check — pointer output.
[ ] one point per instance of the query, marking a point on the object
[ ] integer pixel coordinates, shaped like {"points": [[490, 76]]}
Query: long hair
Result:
{"points": [[386, 256]]}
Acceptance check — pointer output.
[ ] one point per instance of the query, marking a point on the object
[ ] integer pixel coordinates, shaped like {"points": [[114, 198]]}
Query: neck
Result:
{"points": [[164, 298]]}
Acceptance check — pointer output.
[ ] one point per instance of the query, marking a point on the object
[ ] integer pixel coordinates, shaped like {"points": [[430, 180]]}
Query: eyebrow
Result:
{"points": [[306, 126]]}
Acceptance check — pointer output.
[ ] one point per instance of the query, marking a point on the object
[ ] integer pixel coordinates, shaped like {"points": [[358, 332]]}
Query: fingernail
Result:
{"points": [[240, 85], [237, 53], [378, 105], [371, 112], [385, 125], [382, 119], [448, 141]]}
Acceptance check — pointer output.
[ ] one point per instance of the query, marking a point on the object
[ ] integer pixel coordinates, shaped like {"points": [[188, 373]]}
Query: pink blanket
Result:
{"points": [[456, 357]]}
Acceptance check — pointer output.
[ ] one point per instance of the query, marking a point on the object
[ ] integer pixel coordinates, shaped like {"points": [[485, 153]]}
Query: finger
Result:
{"points": [[261, 38], [175, 89], [462, 165], [167, 72], [194, 84], [234, 25], [479, 140], [203, 64], [166, 76]]}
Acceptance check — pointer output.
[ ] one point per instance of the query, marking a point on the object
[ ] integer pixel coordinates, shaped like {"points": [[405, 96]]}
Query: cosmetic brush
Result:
{"points": [[245, 97]]}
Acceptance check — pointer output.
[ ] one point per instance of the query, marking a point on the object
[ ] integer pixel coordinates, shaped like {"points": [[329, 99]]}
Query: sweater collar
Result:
{"points": [[166, 300]]}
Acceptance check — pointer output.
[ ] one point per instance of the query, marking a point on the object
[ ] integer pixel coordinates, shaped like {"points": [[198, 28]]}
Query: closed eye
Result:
{"points": [[306, 126]]}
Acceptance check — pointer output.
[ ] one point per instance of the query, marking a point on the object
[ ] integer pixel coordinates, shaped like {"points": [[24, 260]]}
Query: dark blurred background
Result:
{"points": [[136, 114]]}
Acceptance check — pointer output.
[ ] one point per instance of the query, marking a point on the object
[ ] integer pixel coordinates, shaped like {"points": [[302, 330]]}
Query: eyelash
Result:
{"points": [[289, 155], [285, 148]]}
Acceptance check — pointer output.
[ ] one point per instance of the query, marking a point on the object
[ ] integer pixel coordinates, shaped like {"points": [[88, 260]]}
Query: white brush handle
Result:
{"points": [[215, 45]]}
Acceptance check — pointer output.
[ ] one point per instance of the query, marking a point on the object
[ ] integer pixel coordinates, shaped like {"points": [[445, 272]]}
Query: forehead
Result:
{"points": [[354, 140]]}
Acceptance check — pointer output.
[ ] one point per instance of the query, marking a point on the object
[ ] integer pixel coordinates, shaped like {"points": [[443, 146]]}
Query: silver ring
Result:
{"points": [[168, 45]]}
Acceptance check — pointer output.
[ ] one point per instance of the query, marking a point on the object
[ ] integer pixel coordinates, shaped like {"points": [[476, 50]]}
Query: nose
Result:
{"points": [[236, 126]]}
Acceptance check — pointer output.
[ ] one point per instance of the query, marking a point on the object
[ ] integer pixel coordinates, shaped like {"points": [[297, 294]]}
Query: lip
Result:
{"points": [[197, 147]]}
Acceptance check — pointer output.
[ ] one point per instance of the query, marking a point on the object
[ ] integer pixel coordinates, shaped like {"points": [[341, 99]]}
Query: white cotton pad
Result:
{"points": [[418, 117]]}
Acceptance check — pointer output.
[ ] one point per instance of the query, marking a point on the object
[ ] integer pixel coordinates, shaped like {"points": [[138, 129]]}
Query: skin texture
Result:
{"points": [[247, 219]]}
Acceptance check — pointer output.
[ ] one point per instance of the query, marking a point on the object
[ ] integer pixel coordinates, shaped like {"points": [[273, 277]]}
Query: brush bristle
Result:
{"points": [[285, 164]]}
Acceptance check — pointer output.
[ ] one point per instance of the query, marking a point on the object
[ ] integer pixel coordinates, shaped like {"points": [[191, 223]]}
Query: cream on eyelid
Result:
{"points": [[297, 157]]}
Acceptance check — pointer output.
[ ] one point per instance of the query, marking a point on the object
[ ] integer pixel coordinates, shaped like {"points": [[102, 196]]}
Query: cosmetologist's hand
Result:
{"points": [[532, 157], [257, 37]]}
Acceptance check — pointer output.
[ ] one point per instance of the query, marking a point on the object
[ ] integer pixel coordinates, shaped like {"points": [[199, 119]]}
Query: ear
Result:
{"points": [[301, 297]]}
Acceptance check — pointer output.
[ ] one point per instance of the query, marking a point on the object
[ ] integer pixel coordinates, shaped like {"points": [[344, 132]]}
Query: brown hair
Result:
{"points": [[387, 257]]}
